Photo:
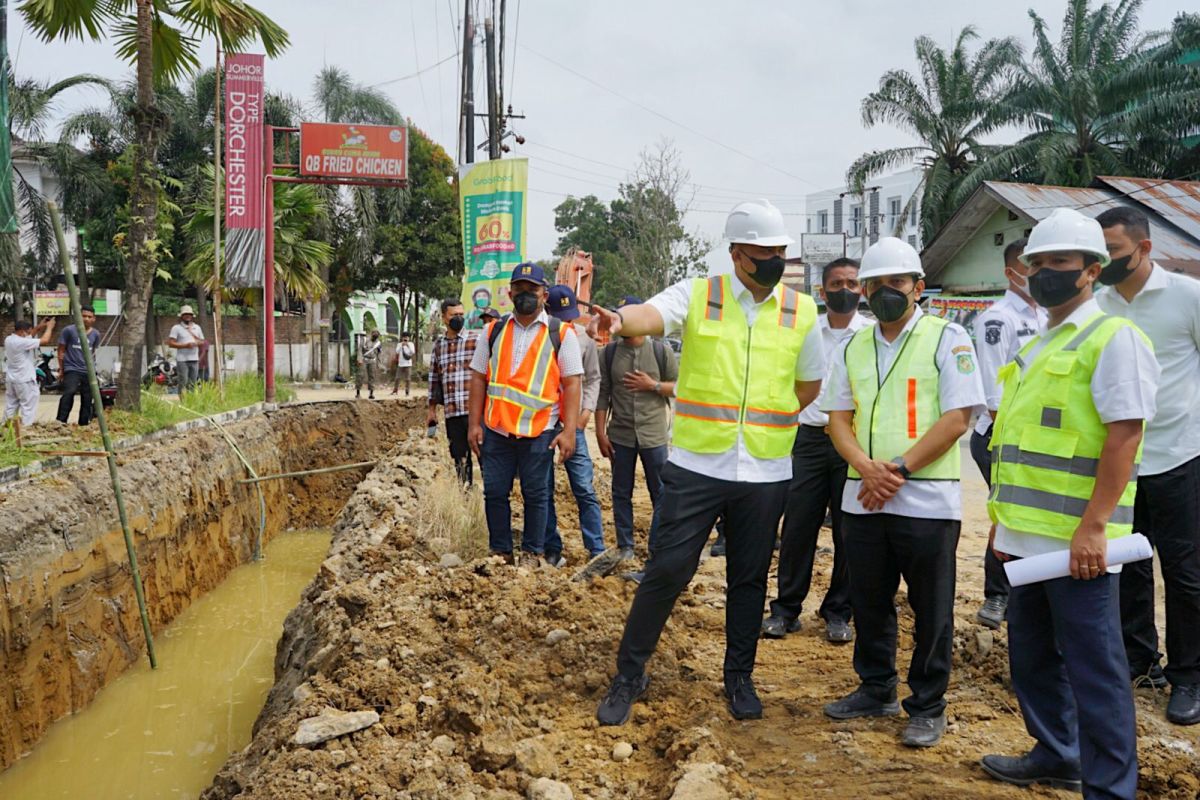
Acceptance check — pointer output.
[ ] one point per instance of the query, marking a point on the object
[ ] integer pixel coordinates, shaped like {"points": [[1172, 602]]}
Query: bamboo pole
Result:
{"points": [[304, 472], [98, 402]]}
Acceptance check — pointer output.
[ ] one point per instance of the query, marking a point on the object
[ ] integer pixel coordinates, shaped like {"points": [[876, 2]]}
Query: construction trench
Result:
{"points": [[416, 667]]}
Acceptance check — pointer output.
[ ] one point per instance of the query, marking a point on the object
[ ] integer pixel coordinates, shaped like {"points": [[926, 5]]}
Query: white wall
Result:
{"points": [[900, 184]]}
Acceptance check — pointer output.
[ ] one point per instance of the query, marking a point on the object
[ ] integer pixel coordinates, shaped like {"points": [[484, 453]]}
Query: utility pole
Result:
{"points": [[468, 87], [493, 104], [218, 355]]}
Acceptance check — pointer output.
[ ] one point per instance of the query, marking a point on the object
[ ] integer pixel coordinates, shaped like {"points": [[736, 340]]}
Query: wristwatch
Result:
{"points": [[658, 387], [903, 468]]}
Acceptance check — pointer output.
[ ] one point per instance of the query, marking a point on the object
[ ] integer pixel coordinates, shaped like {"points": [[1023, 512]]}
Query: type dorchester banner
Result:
{"points": [[492, 195], [244, 233]]}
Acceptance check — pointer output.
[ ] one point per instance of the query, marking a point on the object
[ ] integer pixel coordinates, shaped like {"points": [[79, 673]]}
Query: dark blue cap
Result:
{"points": [[630, 300], [528, 272], [562, 303]]}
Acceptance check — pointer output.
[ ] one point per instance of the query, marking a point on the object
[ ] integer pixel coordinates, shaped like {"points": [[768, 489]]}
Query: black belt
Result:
{"points": [[822, 428]]}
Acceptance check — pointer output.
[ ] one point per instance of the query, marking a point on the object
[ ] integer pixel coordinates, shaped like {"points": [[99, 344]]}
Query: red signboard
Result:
{"points": [[337, 150], [244, 243]]}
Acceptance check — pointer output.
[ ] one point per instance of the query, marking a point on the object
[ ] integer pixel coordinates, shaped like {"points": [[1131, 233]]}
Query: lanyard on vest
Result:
{"points": [[880, 382]]}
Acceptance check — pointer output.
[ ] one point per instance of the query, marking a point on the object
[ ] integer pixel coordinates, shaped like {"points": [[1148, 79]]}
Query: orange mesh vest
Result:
{"points": [[519, 402]]}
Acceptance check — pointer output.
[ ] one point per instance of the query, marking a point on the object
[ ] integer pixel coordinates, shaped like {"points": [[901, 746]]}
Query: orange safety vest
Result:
{"points": [[519, 403]]}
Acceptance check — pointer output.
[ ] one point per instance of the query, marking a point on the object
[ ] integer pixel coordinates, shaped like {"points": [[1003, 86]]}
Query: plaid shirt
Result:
{"points": [[450, 373]]}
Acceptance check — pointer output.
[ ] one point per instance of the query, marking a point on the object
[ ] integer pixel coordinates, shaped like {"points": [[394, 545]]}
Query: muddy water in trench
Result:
{"points": [[164, 733]]}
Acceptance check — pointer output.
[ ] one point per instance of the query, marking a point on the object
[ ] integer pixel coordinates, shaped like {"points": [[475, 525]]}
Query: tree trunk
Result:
{"points": [[143, 217]]}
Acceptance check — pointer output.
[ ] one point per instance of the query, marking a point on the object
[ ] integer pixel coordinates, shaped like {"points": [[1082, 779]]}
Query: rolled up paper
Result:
{"points": [[1049, 566]]}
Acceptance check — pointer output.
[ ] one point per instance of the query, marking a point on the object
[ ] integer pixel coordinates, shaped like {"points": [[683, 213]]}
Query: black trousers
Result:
{"points": [[460, 450], [881, 549], [75, 383], [995, 579], [690, 504], [1167, 511], [818, 476]]}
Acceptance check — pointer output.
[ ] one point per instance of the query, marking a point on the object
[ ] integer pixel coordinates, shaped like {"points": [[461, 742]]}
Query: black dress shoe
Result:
{"points": [[860, 704], [743, 700], [1152, 678], [777, 626], [1024, 771], [618, 702], [1184, 706], [718, 548]]}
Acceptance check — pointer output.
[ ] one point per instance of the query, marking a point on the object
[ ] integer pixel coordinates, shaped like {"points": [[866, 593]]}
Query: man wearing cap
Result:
{"points": [[637, 379], [524, 403], [562, 305], [901, 393], [1065, 452], [752, 358], [185, 337]]}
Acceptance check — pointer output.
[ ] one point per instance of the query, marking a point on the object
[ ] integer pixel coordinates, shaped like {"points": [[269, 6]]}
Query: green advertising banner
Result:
{"points": [[492, 196]]}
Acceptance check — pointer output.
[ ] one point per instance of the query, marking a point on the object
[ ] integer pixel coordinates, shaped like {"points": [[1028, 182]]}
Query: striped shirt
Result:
{"points": [[449, 372]]}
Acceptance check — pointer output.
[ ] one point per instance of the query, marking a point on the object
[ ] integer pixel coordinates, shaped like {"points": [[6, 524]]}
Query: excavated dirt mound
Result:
{"points": [[486, 677]]}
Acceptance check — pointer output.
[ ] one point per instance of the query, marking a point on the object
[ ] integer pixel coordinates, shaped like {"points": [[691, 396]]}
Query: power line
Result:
{"points": [[414, 74], [664, 117], [412, 16], [513, 71]]}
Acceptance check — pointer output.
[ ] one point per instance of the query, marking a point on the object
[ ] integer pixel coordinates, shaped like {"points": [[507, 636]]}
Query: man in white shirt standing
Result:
{"points": [[1000, 332], [751, 360], [1166, 306], [404, 362], [818, 478], [20, 370], [186, 337]]}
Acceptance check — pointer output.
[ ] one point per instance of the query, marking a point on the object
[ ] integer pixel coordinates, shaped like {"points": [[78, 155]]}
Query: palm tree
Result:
{"points": [[1102, 101], [949, 110], [161, 39]]}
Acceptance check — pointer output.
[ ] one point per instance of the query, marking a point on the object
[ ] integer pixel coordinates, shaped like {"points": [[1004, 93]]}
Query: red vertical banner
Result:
{"points": [[244, 220]]}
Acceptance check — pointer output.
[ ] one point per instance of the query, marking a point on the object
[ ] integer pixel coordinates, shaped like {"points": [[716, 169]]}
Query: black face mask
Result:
{"points": [[888, 304], [1051, 288], [525, 303], [1116, 271], [843, 301], [457, 322], [767, 271]]}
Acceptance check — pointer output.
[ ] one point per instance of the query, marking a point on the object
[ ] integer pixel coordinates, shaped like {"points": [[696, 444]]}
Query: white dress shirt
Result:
{"points": [[831, 339], [1123, 387], [570, 358], [958, 387], [1167, 309], [1000, 333], [736, 464]]}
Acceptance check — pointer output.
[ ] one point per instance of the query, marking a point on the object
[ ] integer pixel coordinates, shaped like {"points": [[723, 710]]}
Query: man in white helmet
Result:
{"points": [[1065, 451], [186, 337], [901, 393], [752, 358]]}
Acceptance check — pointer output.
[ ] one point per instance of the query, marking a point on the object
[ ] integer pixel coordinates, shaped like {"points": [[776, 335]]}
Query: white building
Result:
{"points": [[837, 210]]}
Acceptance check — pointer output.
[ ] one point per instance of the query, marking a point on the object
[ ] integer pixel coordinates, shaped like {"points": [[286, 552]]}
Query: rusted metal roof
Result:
{"points": [[1173, 208], [1178, 202]]}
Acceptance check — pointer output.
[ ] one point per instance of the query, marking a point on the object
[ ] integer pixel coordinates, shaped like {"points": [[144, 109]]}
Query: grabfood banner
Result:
{"points": [[492, 197], [244, 213]]}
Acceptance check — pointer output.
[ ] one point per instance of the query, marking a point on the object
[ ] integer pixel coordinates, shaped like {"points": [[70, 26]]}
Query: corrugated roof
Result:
{"points": [[1176, 245], [1176, 201]]}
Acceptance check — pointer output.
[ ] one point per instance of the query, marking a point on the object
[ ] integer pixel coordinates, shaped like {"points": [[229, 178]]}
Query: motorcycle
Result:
{"points": [[161, 372], [47, 378]]}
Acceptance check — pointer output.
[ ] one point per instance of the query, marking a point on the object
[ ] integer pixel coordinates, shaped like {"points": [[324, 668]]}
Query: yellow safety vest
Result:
{"points": [[1047, 439], [736, 378], [893, 411]]}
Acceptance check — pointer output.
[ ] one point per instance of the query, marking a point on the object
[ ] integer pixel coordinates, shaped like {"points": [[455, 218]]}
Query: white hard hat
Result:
{"points": [[890, 256], [186, 310], [756, 222], [1067, 230]]}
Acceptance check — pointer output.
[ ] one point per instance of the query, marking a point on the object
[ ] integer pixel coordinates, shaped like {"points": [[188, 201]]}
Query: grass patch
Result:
{"points": [[159, 411], [449, 510]]}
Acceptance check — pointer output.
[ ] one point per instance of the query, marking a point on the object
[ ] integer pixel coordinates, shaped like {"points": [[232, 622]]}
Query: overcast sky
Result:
{"points": [[779, 81]]}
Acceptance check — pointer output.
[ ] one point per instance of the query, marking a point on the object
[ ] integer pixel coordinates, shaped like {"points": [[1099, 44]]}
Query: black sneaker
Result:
{"points": [[718, 548], [924, 731], [838, 631], [618, 703], [778, 626], [860, 704], [991, 614], [1184, 706], [1024, 771], [743, 700], [1152, 678]]}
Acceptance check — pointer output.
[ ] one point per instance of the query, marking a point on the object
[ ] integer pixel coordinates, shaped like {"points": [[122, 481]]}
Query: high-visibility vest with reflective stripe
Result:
{"points": [[1047, 439], [520, 402], [893, 411], [733, 377]]}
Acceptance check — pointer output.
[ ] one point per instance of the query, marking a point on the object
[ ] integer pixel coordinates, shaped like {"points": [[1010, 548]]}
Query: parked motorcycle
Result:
{"points": [[161, 372], [47, 377]]}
